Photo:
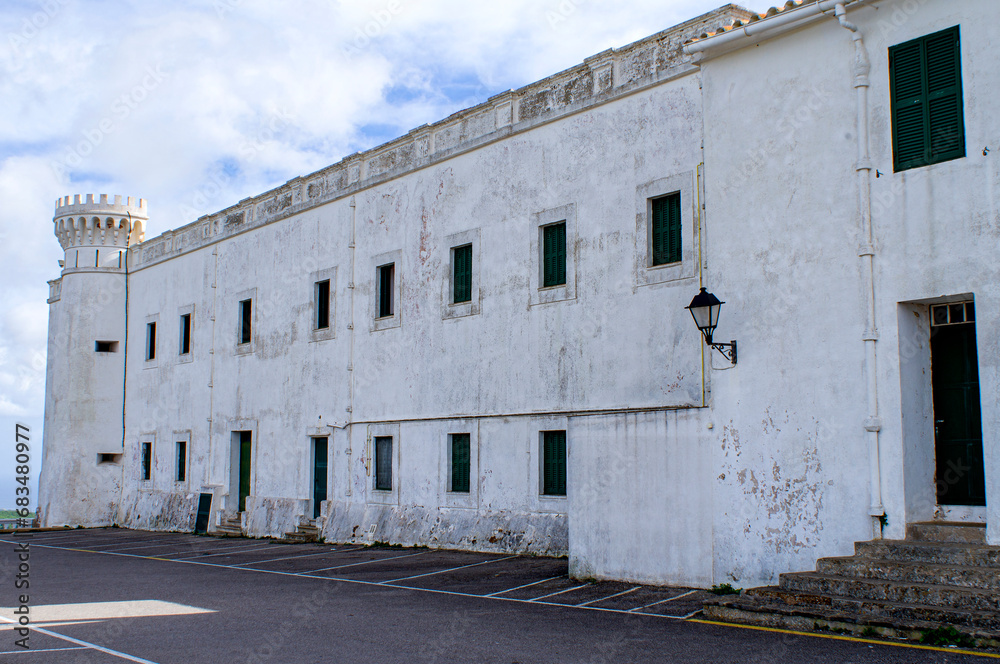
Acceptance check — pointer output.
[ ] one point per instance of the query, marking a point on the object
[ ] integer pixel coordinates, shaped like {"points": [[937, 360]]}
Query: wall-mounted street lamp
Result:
{"points": [[704, 309]]}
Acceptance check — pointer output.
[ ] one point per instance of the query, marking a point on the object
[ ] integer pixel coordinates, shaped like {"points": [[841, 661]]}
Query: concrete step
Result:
{"points": [[966, 599], [944, 553], [984, 578], [945, 531], [860, 618]]}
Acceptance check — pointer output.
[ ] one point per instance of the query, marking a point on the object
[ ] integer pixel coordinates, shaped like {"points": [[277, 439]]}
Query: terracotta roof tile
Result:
{"points": [[754, 17]]}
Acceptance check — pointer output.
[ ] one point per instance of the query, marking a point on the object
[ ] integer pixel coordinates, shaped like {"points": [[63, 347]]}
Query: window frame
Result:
{"points": [[395, 258], [240, 347], [330, 332], [926, 100], [539, 293], [181, 312], [150, 360], [449, 308], [647, 274]]}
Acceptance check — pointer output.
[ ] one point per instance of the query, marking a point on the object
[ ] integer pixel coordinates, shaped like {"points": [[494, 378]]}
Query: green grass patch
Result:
{"points": [[725, 589], [946, 636], [12, 514]]}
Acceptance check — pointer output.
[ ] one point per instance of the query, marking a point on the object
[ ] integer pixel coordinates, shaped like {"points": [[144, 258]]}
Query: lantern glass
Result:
{"points": [[705, 309]]}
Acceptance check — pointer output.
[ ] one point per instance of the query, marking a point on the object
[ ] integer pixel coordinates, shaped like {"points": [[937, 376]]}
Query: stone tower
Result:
{"points": [[80, 483]]}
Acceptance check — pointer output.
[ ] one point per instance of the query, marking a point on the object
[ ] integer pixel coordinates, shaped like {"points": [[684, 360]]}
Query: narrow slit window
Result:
{"points": [[181, 460], [151, 340], [386, 284], [554, 255], [383, 463], [246, 321], [462, 274], [147, 461], [185, 335], [665, 230], [105, 346], [460, 462], [554, 463], [323, 304]]}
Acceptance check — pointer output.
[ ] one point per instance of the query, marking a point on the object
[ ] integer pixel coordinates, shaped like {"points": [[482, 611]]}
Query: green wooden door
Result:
{"points": [[957, 425], [244, 468], [319, 473]]}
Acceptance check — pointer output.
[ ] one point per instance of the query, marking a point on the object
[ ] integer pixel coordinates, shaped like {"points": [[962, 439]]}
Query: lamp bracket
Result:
{"points": [[728, 351]]}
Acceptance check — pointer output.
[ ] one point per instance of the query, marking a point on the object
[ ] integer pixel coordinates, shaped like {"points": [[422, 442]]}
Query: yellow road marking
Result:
{"points": [[841, 637]]}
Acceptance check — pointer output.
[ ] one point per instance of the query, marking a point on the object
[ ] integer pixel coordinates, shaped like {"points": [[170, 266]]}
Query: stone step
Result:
{"points": [[945, 531], [984, 578], [861, 618], [944, 553], [813, 583]]}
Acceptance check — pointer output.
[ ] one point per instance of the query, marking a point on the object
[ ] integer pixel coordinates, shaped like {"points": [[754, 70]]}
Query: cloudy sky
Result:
{"points": [[197, 104]]}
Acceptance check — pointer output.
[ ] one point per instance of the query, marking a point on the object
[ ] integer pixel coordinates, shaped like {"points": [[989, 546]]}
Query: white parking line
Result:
{"points": [[132, 545], [638, 609], [86, 644], [382, 584], [33, 650], [535, 599], [233, 547], [304, 555], [323, 569], [226, 553], [601, 599], [527, 585], [442, 571]]}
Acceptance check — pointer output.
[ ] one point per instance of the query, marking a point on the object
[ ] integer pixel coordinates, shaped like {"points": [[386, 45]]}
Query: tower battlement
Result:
{"points": [[93, 220]]}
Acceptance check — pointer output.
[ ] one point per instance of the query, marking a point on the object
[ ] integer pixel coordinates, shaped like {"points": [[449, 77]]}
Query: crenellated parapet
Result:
{"points": [[91, 225]]}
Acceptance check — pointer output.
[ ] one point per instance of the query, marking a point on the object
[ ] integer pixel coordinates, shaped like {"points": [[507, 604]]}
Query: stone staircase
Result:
{"points": [[942, 575], [231, 526], [305, 531]]}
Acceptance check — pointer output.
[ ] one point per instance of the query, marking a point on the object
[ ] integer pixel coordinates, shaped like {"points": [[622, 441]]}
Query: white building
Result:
{"points": [[475, 336]]}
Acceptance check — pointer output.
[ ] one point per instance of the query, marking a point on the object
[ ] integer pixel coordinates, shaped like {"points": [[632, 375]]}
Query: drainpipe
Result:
{"points": [[873, 423]]}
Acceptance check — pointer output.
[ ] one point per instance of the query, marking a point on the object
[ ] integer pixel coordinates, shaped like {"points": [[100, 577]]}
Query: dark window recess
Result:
{"points": [[147, 460], [386, 279], [554, 255], [665, 235], [554, 463], [323, 305], [460, 462], [925, 84], [105, 346], [246, 321], [462, 277], [106, 457], [151, 341], [953, 314], [185, 334], [181, 460], [383, 463]]}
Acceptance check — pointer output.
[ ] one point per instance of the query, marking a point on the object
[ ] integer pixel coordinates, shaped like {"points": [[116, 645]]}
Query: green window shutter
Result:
{"points": [[926, 100], [460, 462], [666, 230], [462, 278], [944, 96], [554, 255], [554, 463]]}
